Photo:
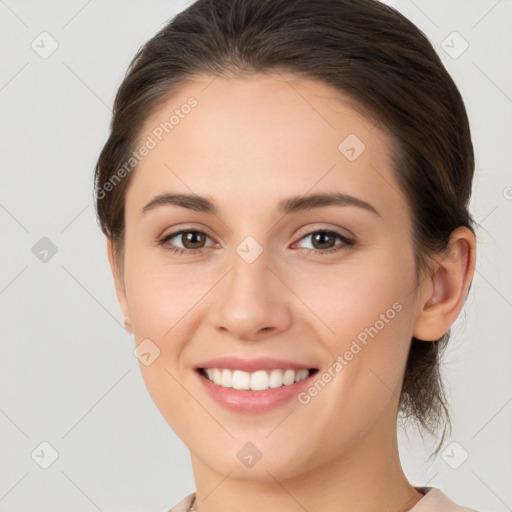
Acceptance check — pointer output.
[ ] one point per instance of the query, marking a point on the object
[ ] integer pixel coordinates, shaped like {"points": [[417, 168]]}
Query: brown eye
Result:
{"points": [[324, 241], [191, 241]]}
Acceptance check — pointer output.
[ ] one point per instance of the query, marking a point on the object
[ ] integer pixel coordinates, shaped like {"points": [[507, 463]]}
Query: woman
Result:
{"points": [[246, 135]]}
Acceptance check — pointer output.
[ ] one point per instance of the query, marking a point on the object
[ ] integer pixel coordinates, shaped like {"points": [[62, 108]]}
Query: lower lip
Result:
{"points": [[243, 400]]}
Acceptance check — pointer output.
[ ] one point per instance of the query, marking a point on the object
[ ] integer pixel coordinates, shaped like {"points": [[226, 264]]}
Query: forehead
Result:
{"points": [[263, 137]]}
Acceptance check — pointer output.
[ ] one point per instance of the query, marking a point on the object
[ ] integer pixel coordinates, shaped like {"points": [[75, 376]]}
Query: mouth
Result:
{"points": [[255, 385], [259, 380]]}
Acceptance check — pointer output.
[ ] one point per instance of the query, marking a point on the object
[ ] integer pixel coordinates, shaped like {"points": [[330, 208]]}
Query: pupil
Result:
{"points": [[322, 237], [190, 236]]}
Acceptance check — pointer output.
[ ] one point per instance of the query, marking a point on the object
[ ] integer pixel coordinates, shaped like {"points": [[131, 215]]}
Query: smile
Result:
{"points": [[259, 380], [262, 386]]}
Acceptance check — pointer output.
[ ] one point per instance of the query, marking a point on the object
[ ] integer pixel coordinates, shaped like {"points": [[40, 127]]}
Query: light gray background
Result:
{"points": [[68, 375]]}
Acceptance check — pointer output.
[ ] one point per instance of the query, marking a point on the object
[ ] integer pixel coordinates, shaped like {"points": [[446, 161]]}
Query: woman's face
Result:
{"points": [[258, 279]]}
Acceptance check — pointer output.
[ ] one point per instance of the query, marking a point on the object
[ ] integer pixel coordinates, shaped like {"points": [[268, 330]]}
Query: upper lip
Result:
{"points": [[251, 365]]}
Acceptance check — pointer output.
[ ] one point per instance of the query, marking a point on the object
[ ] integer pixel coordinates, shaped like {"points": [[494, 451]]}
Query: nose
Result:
{"points": [[251, 302]]}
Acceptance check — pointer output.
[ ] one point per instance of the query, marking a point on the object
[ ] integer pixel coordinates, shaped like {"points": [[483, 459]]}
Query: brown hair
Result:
{"points": [[372, 54]]}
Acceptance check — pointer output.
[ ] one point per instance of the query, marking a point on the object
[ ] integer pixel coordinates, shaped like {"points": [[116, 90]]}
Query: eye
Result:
{"points": [[191, 239], [323, 241]]}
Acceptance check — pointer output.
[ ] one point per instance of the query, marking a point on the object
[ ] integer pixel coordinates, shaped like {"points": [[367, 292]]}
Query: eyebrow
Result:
{"points": [[286, 206]]}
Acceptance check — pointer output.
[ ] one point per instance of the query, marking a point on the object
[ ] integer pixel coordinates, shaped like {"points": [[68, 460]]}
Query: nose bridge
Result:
{"points": [[248, 292], [251, 299], [250, 268]]}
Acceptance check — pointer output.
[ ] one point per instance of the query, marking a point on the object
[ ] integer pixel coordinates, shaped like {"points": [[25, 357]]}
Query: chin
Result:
{"points": [[272, 464]]}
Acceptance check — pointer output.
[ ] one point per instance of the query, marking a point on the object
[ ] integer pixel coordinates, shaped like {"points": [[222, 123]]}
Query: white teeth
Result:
{"points": [[259, 380], [240, 380], [217, 376], [289, 377], [256, 381], [226, 379], [276, 379]]}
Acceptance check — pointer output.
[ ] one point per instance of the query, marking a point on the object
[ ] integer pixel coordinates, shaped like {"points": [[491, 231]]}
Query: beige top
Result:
{"points": [[434, 501]]}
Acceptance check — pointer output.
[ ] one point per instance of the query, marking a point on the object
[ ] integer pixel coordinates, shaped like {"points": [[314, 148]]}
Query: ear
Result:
{"points": [[119, 285], [442, 295]]}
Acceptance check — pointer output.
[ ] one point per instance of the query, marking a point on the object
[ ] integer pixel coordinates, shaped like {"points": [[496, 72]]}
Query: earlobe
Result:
{"points": [[119, 285], [442, 297], [128, 326]]}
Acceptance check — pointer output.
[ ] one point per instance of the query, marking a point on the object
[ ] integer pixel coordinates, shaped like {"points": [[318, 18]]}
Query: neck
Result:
{"points": [[366, 478]]}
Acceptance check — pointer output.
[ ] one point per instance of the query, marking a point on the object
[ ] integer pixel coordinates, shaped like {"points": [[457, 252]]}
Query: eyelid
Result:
{"points": [[346, 241], [308, 230], [164, 238], [175, 230]]}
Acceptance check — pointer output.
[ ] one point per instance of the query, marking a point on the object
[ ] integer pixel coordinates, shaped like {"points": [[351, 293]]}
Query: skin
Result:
{"points": [[249, 143]]}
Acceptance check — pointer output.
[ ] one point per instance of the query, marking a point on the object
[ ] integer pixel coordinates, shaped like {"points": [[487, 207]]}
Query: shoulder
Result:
{"points": [[184, 504], [436, 500]]}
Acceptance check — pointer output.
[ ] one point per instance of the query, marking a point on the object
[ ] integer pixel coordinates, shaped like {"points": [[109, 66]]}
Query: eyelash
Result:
{"points": [[337, 248]]}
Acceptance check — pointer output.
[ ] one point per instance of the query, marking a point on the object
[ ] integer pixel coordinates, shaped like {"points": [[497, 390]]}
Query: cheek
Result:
{"points": [[161, 313], [161, 302], [354, 299], [363, 311], [161, 294]]}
